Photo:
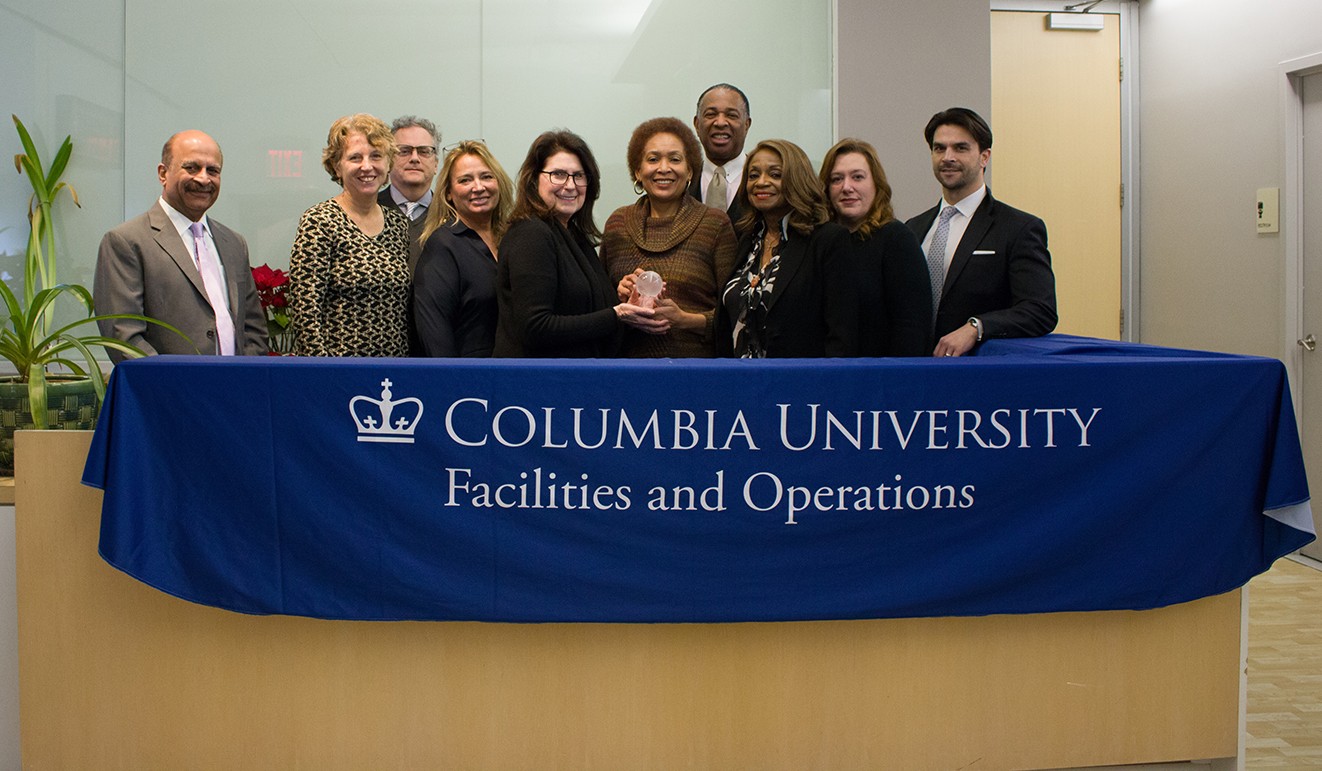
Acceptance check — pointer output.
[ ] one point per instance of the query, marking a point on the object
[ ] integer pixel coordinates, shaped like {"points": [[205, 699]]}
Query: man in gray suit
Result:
{"points": [[179, 266]]}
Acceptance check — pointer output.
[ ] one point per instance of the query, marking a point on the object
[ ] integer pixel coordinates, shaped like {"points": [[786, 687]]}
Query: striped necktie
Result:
{"points": [[936, 256]]}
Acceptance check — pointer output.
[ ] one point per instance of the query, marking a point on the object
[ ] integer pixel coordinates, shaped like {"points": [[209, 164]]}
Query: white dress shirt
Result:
{"points": [[958, 223], [181, 223]]}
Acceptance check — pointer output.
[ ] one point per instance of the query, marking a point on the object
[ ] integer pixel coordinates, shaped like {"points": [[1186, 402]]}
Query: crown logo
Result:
{"points": [[385, 419]]}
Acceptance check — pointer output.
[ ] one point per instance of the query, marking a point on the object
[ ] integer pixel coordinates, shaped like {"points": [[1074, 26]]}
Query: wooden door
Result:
{"points": [[1056, 153]]}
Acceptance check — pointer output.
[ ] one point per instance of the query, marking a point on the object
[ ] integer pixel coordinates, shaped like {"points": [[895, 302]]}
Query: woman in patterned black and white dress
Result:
{"points": [[348, 270]]}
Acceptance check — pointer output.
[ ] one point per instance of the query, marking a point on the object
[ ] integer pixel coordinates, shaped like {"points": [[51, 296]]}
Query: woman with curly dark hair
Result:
{"points": [[671, 233]]}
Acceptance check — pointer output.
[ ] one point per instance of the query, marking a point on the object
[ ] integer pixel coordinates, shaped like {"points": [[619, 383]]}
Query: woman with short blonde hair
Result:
{"points": [[348, 268]]}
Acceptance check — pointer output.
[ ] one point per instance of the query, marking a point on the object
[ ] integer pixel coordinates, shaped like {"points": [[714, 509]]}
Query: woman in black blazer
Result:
{"points": [[553, 295], [794, 293], [894, 291]]}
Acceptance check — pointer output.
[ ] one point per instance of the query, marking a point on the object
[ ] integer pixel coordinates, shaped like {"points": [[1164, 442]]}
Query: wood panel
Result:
{"points": [[1056, 153], [116, 675]]}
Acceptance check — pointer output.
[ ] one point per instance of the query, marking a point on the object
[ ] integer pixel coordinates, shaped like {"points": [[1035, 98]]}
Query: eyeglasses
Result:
{"points": [[561, 177], [423, 151]]}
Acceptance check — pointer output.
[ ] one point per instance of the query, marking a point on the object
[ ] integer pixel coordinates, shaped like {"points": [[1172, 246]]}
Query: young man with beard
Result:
{"points": [[988, 262]]}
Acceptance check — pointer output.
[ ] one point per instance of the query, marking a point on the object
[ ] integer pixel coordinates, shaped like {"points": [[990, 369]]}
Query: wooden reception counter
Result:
{"points": [[117, 675]]}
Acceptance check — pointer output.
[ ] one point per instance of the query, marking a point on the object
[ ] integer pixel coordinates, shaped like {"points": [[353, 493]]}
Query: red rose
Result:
{"points": [[262, 276]]}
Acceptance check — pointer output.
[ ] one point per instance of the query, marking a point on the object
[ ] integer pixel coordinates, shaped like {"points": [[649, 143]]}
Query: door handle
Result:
{"points": [[1309, 343]]}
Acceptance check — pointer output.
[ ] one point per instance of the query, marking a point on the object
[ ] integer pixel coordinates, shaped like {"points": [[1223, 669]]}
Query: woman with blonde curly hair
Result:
{"points": [[454, 282], [348, 269], [895, 293], [793, 294]]}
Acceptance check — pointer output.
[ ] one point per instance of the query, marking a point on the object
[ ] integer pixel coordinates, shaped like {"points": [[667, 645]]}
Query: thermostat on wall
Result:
{"points": [[1269, 210]]}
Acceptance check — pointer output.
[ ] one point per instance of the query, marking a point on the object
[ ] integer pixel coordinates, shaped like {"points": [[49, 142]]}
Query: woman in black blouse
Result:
{"points": [[895, 294], [454, 282], [793, 294], [554, 297]]}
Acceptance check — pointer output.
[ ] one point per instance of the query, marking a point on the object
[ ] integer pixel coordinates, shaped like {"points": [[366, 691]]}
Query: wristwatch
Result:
{"points": [[977, 326]]}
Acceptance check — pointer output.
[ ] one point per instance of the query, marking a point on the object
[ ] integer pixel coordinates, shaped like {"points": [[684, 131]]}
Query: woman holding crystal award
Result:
{"points": [[669, 237]]}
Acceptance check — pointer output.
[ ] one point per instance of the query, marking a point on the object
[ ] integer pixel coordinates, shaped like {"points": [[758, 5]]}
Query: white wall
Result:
{"points": [[1211, 128], [121, 76]]}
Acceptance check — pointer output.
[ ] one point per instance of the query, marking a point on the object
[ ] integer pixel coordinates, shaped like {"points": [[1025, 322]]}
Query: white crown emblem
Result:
{"points": [[390, 421]]}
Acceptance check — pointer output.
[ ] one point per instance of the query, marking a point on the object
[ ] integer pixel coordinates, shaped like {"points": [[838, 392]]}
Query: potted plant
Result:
{"points": [[58, 382]]}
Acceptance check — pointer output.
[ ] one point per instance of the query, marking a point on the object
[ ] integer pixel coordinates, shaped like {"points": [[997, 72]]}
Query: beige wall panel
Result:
{"points": [[1211, 131], [899, 63], [1056, 101], [116, 675]]}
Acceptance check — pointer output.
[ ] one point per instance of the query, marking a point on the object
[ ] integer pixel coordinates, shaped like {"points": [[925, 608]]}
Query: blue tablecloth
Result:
{"points": [[1056, 474]]}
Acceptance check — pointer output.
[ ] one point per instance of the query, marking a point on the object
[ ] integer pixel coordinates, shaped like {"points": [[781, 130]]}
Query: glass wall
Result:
{"points": [[63, 75], [268, 81]]}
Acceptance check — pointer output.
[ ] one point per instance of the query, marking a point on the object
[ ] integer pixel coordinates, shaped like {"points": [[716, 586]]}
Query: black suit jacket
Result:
{"points": [[894, 293], [415, 226], [735, 210], [813, 310], [1000, 273], [553, 296]]}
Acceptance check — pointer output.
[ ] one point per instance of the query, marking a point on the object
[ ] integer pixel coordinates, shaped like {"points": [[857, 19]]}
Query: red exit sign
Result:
{"points": [[285, 163]]}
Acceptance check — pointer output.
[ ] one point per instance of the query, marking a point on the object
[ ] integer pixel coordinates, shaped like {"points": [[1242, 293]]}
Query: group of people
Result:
{"points": [[758, 254]]}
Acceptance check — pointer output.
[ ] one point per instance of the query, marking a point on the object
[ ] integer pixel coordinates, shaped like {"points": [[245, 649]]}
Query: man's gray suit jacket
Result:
{"points": [[143, 267]]}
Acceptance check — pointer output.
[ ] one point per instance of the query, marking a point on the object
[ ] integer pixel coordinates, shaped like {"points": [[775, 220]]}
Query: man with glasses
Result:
{"points": [[411, 176]]}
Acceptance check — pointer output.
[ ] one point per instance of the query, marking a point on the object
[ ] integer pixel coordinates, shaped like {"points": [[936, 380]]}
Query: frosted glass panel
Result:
{"points": [[268, 83], [62, 77]]}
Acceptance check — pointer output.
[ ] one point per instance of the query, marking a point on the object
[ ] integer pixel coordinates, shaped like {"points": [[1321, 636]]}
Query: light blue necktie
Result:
{"points": [[936, 256]]}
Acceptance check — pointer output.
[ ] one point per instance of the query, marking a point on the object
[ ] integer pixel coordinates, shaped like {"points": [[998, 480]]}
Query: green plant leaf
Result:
{"points": [[98, 383], [37, 395], [61, 161], [26, 139], [35, 176]]}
